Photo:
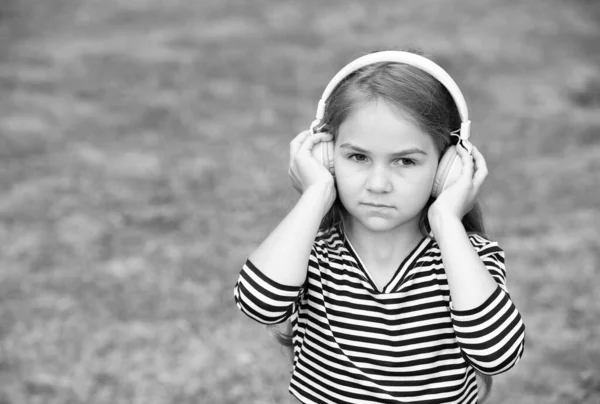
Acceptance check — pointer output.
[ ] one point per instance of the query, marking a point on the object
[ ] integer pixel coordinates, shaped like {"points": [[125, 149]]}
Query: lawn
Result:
{"points": [[143, 156]]}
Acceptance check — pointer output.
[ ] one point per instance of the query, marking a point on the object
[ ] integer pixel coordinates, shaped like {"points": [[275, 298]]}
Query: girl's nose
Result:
{"points": [[378, 180]]}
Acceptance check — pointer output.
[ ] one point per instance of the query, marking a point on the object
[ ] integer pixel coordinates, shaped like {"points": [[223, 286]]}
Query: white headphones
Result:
{"points": [[450, 165]]}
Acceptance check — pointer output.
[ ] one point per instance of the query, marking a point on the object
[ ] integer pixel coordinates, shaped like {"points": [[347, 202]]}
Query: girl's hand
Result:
{"points": [[305, 170], [459, 198]]}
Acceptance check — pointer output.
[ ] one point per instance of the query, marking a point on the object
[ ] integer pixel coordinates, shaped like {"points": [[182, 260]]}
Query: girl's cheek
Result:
{"points": [[341, 166], [347, 171]]}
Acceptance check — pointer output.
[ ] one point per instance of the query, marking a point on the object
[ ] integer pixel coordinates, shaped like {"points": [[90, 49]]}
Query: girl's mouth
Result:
{"points": [[376, 205]]}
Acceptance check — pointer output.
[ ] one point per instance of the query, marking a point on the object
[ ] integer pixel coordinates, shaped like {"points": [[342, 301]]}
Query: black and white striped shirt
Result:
{"points": [[406, 343]]}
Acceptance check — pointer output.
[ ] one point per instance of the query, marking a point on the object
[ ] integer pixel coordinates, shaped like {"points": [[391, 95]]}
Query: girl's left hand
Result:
{"points": [[459, 198]]}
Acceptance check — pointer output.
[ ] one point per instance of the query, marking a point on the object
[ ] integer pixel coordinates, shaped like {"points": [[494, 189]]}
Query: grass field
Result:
{"points": [[143, 156]]}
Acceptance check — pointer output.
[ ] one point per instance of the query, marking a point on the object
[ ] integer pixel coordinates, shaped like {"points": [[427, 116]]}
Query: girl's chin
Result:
{"points": [[379, 223], [382, 223]]}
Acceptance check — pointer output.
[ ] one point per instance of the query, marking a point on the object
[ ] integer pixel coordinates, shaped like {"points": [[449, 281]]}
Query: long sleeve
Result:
{"points": [[263, 299], [492, 336]]}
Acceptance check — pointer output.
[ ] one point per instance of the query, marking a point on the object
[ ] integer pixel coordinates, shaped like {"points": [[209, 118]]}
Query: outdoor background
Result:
{"points": [[143, 156]]}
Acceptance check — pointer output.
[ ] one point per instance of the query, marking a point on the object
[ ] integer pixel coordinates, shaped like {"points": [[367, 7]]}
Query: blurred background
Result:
{"points": [[143, 156]]}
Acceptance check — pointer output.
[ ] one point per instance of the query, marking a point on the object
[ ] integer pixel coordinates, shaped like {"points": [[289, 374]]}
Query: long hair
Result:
{"points": [[430, 106]]}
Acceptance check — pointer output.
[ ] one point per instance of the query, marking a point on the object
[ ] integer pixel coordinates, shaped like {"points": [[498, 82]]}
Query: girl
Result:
{"points": [[393, 295]]}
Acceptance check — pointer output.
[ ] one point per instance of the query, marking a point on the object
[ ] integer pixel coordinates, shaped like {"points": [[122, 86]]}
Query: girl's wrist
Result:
{"points": [[322, 194], [320, 188], [441, 221]]}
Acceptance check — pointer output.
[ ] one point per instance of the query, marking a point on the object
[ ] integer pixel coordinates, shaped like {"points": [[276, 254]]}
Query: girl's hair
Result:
{"points": [[431, 107]]}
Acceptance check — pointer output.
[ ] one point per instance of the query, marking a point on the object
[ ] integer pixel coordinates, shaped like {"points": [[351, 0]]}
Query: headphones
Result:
{"points": [[450, 165]]}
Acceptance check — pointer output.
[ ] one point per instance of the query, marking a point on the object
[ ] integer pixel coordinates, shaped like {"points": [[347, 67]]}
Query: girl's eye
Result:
{"points": [[358, 157], [406, 162]]}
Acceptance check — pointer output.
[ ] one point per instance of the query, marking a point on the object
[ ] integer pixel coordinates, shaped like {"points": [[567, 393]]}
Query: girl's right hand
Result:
{"points": [[305, 170]]}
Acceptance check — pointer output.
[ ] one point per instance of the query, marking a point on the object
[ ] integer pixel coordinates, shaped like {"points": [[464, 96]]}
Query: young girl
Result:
{"points": [[393, 295]]}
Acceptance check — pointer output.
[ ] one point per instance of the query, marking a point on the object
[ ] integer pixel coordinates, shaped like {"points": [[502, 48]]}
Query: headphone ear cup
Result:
{"points": [[448, 171], [328, 161], [323, 152]]}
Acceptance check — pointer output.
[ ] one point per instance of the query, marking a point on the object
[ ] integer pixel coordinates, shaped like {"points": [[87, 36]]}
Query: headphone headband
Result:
{"points": [[408, 58]]}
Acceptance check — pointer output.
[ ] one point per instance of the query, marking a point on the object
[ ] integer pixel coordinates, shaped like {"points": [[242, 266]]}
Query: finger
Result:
{"points": [[297, 141], [312, 140], [481, 170], [467, 163], [301, 136]]}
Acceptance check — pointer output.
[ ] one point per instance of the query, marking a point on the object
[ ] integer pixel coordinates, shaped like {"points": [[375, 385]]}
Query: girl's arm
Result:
{"points": [[272, 278], [283, 255], [488, 327], [470, 282]]}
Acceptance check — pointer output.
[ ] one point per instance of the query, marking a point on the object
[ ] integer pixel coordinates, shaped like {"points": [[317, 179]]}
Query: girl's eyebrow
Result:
{"points": [[414, 150]]}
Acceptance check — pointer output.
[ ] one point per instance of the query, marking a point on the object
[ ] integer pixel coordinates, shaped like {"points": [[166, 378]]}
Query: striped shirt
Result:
{"points": [[406, 343]]}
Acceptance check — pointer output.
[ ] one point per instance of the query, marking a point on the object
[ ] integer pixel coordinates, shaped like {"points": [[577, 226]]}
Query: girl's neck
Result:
{"points": [[392, 245]]}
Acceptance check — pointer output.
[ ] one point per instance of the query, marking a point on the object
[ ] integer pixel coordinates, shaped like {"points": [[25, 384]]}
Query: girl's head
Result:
{"points": [[385, 108]]}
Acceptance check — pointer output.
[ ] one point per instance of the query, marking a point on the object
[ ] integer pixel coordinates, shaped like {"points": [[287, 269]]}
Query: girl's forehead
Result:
{"points": [[379, 124]]}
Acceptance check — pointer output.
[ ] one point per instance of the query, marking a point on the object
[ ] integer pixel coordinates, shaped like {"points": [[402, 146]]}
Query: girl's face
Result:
{"points": [[384, 167]]}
